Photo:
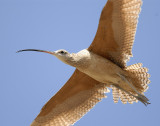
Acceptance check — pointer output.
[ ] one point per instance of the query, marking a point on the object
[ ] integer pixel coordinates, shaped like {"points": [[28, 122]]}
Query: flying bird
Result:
{"points": [[99, 67]]}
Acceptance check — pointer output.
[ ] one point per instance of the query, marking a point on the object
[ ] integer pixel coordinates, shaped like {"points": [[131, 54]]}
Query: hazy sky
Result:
{"points": [[28, 80]]}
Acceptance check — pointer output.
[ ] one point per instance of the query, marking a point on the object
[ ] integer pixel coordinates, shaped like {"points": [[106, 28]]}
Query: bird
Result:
{"points": [[100, 67]]}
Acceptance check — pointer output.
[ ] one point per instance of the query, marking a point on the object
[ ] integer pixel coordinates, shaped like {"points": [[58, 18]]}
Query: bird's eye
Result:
{"points": [[62, 52]]}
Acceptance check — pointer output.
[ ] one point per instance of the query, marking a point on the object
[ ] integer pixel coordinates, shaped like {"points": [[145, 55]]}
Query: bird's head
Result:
{"points": [[61, 54]]}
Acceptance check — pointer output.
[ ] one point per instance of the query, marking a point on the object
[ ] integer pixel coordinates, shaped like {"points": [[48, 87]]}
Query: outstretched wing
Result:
{"points": [[73, 100], [116, 30]]}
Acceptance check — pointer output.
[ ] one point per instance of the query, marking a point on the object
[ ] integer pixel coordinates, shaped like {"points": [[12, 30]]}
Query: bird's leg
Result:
{"points": [[139, 96]]}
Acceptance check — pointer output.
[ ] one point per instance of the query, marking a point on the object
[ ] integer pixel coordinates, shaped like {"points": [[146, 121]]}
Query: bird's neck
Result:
{"points": [[80, 59]]}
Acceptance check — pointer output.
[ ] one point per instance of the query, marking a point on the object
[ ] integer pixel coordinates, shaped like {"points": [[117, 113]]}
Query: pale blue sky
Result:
{"points": [[28, 80]]}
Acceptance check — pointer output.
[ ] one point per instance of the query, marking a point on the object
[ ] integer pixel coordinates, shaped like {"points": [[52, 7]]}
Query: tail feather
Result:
{"points": [[115, 92], [139, 76], [124, 97], [134, 66], [140, 79]]}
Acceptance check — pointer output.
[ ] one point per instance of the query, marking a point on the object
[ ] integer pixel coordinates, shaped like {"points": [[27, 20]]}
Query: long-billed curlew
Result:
{"points": [[99, 67]]}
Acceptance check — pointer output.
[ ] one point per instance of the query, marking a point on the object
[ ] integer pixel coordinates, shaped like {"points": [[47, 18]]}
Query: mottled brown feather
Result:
{"points": [[116, 30], [72, 101], [139, 77]]}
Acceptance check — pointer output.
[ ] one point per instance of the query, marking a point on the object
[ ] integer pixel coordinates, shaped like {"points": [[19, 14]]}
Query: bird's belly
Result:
{"points": [[103, 77], [103, 70]]}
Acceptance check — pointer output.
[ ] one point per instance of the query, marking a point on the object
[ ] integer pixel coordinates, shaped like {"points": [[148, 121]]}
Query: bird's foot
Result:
{"points": [[143, 99]]}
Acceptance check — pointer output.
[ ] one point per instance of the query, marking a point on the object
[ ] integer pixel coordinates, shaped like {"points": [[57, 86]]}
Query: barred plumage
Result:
{"points": [[73, 108], [139, 77], [124, 26]]}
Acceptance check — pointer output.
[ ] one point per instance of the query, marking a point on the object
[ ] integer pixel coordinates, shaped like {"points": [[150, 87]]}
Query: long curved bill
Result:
{"points": [[37, 50]]}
